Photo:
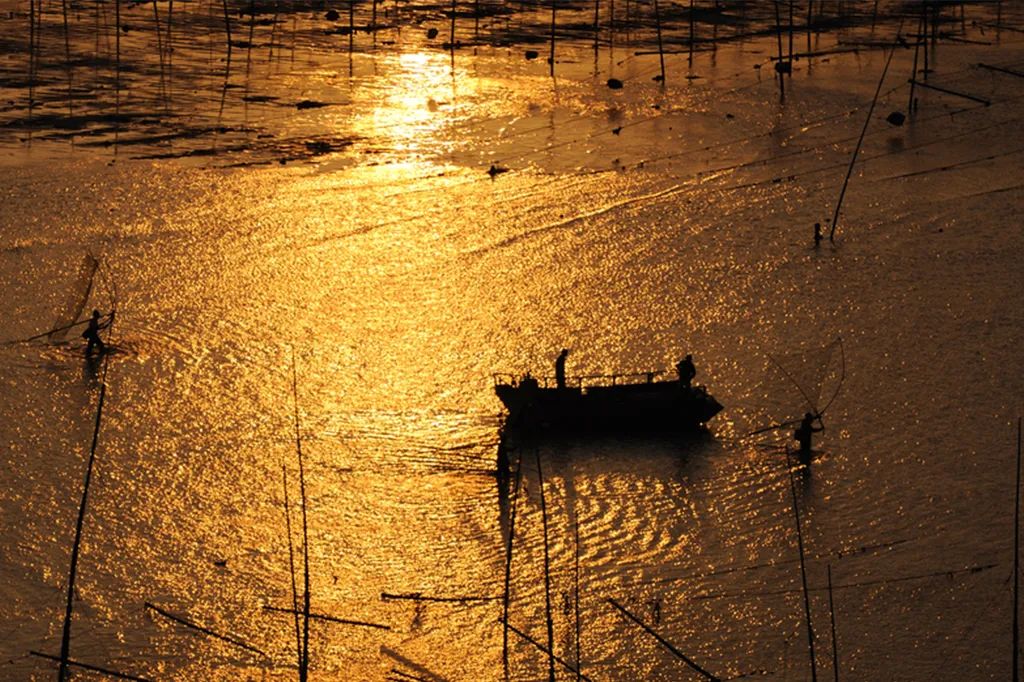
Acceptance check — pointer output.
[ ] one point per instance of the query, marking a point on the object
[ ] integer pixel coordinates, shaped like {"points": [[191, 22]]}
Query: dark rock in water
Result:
{"points": [[783, 67], [614, 84], [332, 15], [729, 116], [431, 33], [532, 54], [310, 104], [896, 118]]}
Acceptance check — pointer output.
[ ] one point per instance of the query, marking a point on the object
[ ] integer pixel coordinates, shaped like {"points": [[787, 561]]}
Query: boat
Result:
{"points": [[613, 402]]}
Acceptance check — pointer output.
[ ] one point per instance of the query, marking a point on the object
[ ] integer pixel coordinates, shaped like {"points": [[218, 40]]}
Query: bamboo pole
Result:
{"points": [[508, 565], [664, 642], [546, 650], [304, 662], [860, 140], [661, 48], [65, 644], [551, 58], [1016, 566], [291, 567], [832, 618], [803, 579], [329, 619], [576, 600], [690, 50], [205, 630], [547, 573], [92, 668]]}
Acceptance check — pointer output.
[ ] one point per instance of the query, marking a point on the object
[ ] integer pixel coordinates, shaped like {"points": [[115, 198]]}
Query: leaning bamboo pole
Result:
{"points": [[547, 573], [803, 579], [304, 659], [65, 643], [508, 565]]}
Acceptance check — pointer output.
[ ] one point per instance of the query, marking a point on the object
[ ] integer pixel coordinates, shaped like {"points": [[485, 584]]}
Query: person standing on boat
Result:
{"points": [[803, 436], [686, 371], [560, 368], [92, 333]]}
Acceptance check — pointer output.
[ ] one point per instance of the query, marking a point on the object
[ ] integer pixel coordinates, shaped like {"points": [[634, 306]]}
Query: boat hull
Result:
{"points": [[665, 405]]}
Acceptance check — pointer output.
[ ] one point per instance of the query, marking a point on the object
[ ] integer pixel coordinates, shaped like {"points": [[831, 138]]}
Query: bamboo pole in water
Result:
{"points": [[913, 73], [1016, 565], [576, 600], [205, 630], [547, 573], [291, 567], [65, 643], [304, 662], [690, 58], [661, 49], [67, 57], [778, 64], [508, 564], [227, 32], [832, 619], [803, 578], [860, 140], [551, 58], [664, 642]]}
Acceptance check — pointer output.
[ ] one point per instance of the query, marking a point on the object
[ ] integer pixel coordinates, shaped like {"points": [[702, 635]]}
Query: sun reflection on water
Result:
{"points": [[404, 111]]}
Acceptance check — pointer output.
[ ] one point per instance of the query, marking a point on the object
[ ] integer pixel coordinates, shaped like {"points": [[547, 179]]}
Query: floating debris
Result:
{"points": [[431, 33], [332, 15], [310, 104], [532, 54], [614, 84], [496, 170]]}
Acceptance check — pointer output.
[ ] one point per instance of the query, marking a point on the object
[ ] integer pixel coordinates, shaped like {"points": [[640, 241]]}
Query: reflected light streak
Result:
{"points": [[406, 109]]}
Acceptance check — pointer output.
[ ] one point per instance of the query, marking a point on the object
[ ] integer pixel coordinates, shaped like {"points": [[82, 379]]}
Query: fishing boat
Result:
{"points": [[612, 402]]}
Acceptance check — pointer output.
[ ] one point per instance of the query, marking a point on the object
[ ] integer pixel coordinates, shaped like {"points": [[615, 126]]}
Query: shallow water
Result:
{"points": [[633, 226]]}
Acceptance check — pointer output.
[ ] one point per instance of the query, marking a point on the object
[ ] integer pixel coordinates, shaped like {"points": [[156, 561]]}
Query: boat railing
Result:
{"points": [[579, 381]]}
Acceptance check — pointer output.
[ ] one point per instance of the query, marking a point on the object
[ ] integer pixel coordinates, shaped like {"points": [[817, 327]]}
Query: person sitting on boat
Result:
{"points": [[92, 332], [528, 381], [560, 368], [686, 371], [803, 435]]}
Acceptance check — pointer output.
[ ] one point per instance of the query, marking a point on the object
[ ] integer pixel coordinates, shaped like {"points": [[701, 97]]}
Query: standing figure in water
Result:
{"points": [[803, 435], [560, 368], [92, 333]]}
